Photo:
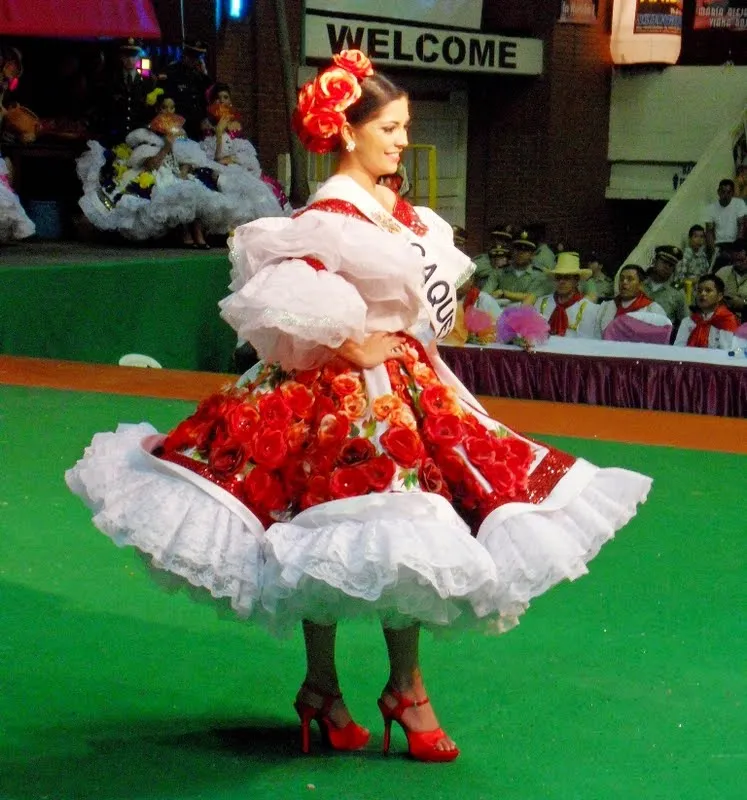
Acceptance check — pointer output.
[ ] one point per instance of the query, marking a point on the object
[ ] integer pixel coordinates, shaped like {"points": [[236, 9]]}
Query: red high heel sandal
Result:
{"points": [[420, 745], [349, 737]]}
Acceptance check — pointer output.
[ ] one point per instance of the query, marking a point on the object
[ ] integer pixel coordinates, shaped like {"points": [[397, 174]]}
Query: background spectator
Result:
{"points": [[543, 258], [122, 106], [632, 316], [499, 257], [659, 285], [711, 324], [520, 281], [696, 257], [500, 235], [566, 309], [187, 81], [735, 279], [725, 219], [599, 286]]}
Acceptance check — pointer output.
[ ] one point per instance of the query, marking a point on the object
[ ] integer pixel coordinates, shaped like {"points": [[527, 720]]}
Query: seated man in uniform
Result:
{"points": [[544, 257], [659, 285], [499, 236], [499, 256], [520, 282], [711, 324], [599, 286], [735, 279], [567, 310], [632, 316]]}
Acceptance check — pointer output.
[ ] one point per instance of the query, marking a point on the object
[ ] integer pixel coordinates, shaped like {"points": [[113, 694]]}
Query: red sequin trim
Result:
{"points": [[336, 206], [200, 468], [544, 479], [403, 212], [314, 263]]}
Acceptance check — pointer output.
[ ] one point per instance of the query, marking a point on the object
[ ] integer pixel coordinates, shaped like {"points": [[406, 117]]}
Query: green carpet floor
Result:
{"points": [[629, 683]]}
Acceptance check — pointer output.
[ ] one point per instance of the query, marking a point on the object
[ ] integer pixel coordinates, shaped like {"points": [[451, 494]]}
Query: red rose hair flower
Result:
{"points": [[354, 61], [320, 111]]}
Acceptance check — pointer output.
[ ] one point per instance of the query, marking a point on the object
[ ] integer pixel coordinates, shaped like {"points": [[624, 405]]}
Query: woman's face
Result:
{"points": [[223, 97], [168, 106], [380, 140]]}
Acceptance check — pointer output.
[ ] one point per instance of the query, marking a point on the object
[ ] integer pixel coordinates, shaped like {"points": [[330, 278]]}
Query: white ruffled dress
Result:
{"points": [[14, 221], [409, 522], [174, 200], [244, 175]]}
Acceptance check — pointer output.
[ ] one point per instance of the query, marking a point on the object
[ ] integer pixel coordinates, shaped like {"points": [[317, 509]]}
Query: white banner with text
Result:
{"points": [[423, 48]]}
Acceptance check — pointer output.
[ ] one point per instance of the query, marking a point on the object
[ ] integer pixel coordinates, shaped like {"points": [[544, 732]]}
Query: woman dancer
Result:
{"points": [[350, 473], [14, 222], [224, 141]]}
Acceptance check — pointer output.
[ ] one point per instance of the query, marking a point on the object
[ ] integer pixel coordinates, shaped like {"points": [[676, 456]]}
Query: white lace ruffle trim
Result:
{"points": [[404, 557]]}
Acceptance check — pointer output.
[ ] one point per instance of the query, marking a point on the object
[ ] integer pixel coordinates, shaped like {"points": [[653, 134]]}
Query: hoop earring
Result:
{"points": [[350, 146]]}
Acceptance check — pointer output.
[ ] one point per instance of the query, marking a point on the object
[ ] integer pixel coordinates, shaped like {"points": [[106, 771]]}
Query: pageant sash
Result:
{"points": [[442, 268]]}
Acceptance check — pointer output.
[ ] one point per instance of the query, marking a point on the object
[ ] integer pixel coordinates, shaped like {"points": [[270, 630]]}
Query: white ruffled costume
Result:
{"points": [[175, 200], [403, 553], [14, 221], [245, 169]]}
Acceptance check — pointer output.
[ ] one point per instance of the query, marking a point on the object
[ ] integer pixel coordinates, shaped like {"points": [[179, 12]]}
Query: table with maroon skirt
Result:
{"points": [[619, 374]]}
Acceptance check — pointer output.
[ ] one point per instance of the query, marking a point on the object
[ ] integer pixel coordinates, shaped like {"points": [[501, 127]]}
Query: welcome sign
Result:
{"points": [[421, 47]]}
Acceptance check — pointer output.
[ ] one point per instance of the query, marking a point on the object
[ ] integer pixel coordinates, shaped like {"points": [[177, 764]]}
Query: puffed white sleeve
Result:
{"points": [[142, 153], [290, 311], [144, 144], [189, 152]]}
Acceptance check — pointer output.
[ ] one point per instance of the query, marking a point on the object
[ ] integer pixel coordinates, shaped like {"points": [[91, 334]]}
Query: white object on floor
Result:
{"points": [[138, 360]]}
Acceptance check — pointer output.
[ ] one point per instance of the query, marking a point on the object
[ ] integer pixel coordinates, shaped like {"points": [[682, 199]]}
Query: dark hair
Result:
{"points": [[215, 90], [376, 92], [726, 182], [695, 228], [162, 98], [717, 282], [636, 268]]}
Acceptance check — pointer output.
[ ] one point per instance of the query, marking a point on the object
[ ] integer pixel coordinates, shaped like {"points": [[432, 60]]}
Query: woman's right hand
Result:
{"points": [[376, 349]]}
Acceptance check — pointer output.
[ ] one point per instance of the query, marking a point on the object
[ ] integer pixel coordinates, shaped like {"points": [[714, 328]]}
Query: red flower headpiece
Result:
{"points": [[320, 112]]}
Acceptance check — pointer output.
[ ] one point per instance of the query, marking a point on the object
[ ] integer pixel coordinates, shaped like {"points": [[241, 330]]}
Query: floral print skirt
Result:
{"points": [[287, 441]]}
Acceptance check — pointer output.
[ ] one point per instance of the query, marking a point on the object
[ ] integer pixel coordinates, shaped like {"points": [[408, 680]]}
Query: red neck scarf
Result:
{"points": [[559, 317], [470, 298], [640, 302], [722, 319]]}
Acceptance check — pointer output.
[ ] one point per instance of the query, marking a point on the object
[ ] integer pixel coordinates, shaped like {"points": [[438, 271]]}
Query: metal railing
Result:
{"points": [[420, 162]]}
